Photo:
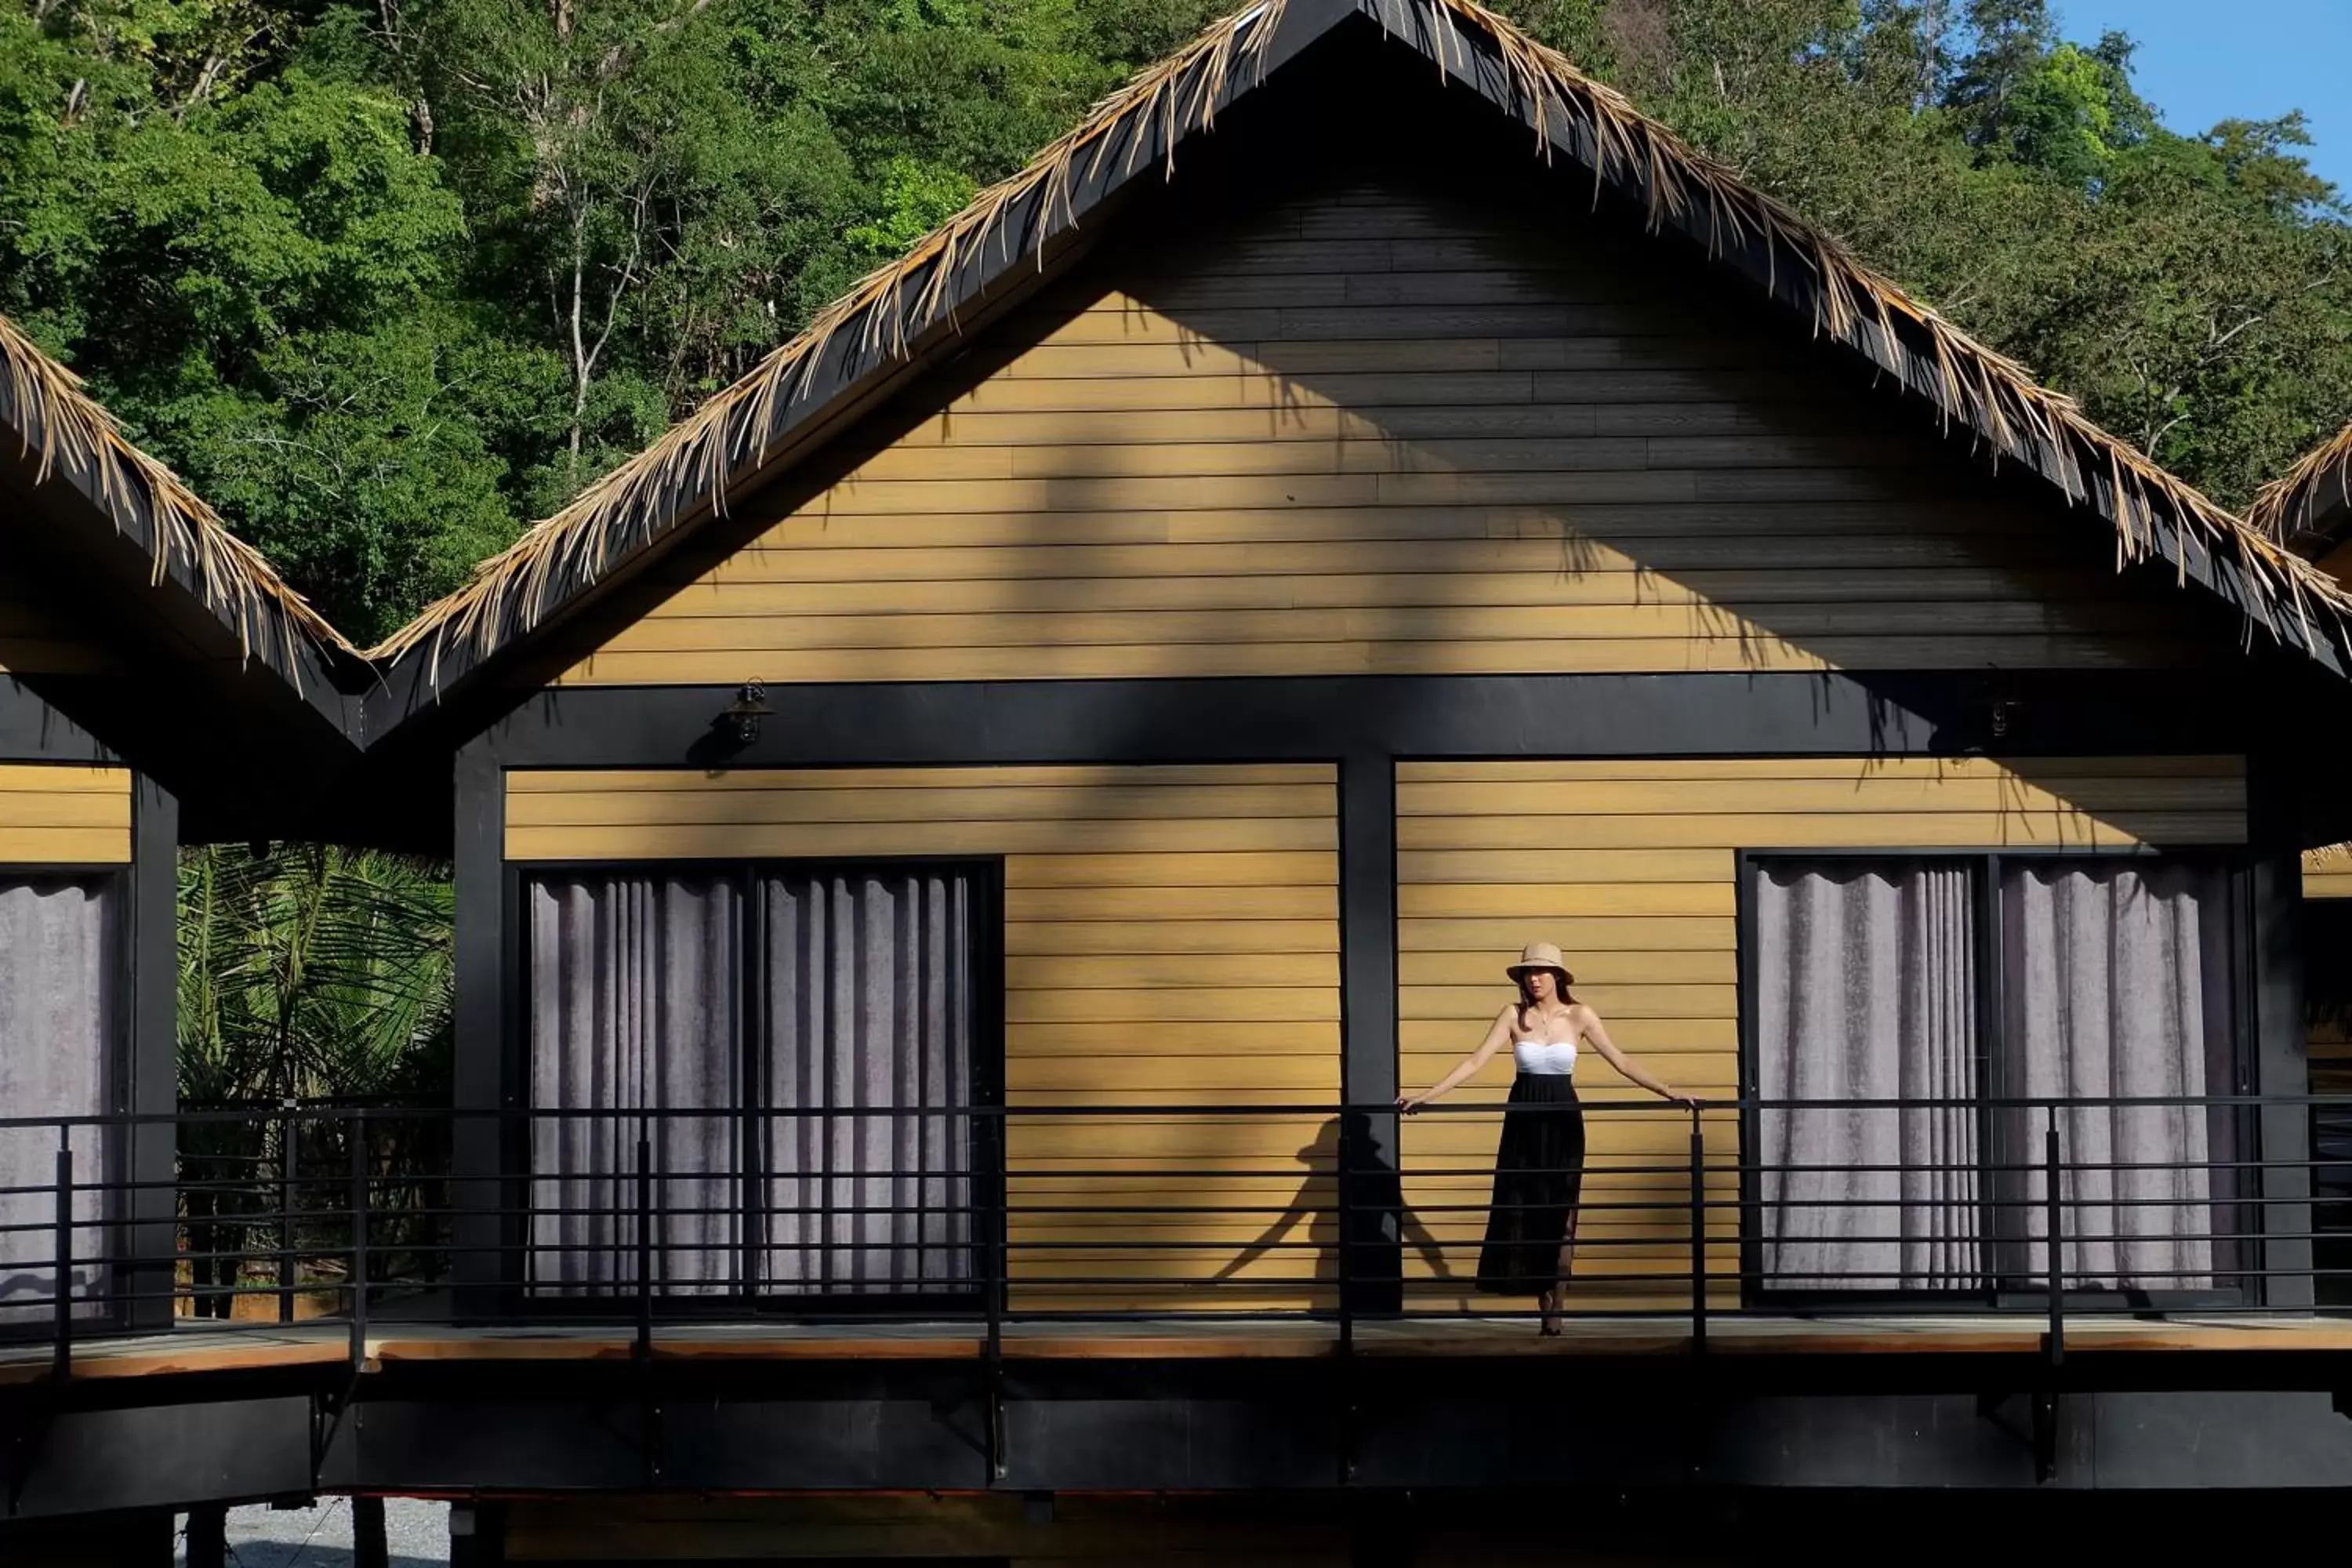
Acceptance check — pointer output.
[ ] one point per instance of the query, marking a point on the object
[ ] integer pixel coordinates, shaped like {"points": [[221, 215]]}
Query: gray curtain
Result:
{"points": [[869, 1020], [635, 996], [2117, 986], [59, 953], [1866, 990]]}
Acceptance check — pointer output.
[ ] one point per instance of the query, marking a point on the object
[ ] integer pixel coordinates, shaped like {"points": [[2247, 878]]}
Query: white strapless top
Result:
{"points": [[1545, 1059]]}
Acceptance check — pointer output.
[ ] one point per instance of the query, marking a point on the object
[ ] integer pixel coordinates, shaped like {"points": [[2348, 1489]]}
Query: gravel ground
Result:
{"points": [[416, 1534]]}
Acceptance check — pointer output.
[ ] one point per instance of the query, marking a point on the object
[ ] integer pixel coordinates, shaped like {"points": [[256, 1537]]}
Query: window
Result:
{"points": [[1957, 985], [807, 1035], [60, 956]]}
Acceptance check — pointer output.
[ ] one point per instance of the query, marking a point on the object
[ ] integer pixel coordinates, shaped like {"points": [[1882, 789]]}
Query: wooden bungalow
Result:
{"points": [[961, 844], [158, 685], [2308, 509], [1364, 499]]}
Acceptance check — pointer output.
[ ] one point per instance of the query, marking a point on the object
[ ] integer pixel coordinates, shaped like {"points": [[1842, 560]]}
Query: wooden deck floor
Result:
{"points": [[194, 1349]]}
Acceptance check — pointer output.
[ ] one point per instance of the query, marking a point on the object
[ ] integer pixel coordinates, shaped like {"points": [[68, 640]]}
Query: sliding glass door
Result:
{"points": [[1923, 1021], [61, 969], [796, 1046]]}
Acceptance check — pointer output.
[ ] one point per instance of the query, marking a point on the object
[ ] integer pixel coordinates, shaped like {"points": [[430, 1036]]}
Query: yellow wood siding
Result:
{"points": [[57, 814], [1631, 867], [1171, 937], [2327, 873], [1375, 432]]}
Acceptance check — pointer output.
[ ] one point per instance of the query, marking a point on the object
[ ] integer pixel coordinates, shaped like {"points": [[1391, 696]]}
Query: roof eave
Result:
{"points": [[2155, 515]]}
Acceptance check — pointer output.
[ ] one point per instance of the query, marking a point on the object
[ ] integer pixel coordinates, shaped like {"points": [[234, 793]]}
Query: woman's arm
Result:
{"points": [[1496, 1035], [1598, 1033]]}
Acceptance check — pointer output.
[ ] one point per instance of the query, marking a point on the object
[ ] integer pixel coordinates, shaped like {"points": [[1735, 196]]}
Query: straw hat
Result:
{"points": [[1541, 955]]}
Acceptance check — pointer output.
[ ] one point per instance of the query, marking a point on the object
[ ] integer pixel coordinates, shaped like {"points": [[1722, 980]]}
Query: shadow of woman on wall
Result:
{"points": [[1374, 1192]]}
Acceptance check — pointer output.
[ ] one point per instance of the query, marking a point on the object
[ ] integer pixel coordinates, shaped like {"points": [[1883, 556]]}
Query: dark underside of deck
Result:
{"points": [[529, 1410]]}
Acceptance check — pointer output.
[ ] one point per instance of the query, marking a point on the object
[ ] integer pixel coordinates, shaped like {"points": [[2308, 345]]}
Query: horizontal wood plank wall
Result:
{"points": [[63, 814], [1631, 867], [1171, 937], [2327, 873], [1377, 433]]}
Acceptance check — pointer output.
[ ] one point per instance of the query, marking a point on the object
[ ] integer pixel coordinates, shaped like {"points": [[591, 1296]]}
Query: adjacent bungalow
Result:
{"points": [[2309, 511], [158, 685], [2309, 508]]}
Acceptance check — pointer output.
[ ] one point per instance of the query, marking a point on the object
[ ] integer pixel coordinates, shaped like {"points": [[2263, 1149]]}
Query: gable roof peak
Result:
{"points": [[884, 322], [2310, 505]]}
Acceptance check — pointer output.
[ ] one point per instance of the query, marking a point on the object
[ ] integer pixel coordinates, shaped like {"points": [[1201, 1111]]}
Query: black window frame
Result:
{"points": [[1985, 868], [986, 954], [115, 1219]]}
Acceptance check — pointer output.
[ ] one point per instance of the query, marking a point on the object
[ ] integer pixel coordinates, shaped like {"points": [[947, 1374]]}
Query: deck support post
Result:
{"points": [[477, 1535], [368, 1546], [208, 1536]]}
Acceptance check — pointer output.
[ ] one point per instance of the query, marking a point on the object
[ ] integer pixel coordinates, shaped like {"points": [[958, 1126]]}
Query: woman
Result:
{"points": [[1540, 1165]]}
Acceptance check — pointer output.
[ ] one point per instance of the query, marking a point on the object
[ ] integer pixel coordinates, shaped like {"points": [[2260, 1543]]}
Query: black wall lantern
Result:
{"points": [[742, 716]]}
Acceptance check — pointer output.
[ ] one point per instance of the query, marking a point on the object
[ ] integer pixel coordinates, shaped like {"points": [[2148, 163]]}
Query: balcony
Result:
{"points": [[370, 1234], [1042, 1299]]}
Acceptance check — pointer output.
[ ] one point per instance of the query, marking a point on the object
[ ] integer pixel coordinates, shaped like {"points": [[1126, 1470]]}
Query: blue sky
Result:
{"points": [[2204, 61]]}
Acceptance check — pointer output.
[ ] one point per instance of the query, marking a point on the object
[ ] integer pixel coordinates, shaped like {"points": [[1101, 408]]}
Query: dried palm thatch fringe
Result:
{"points": [[1988, 394], [2321, 478], [2333, 858], [71, 435]]}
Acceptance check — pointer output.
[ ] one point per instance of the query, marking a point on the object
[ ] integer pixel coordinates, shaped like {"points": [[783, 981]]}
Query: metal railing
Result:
{"points": [[990, 1216]]}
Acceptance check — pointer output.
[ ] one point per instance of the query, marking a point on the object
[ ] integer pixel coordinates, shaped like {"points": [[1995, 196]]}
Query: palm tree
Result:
{"points": [[307, 973]]}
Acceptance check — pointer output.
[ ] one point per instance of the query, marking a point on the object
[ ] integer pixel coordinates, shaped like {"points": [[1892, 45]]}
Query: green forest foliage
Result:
{"points": [[386, 280]]}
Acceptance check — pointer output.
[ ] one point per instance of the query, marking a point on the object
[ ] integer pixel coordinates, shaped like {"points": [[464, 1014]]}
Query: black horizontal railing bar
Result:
{"points": [[606, 1242], [630, 1117]]}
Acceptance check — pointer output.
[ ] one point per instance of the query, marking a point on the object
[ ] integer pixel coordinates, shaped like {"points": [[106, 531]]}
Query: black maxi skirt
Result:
{"points": [[1539, 1174]]}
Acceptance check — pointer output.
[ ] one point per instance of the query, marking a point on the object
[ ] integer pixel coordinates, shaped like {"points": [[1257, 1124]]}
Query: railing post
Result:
{"points": [[61, 1353], [288, 1135], [357, 1133], [645, 1347], [1698, 1232], [2055, 1226], [995, 1226], [1350, 1154], [2053, 1345]]}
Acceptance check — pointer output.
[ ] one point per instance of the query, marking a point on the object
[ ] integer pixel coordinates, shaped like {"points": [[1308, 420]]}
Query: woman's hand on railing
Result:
{"points": [[1411, 1103]]}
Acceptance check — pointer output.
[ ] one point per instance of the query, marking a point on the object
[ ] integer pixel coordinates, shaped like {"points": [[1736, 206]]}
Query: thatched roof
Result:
{"points": [[2311, 503], [687, 473], [74, 440]]}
